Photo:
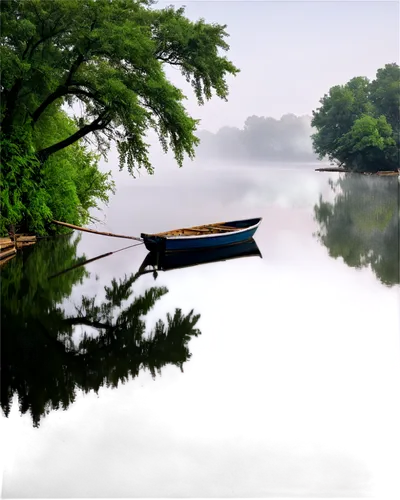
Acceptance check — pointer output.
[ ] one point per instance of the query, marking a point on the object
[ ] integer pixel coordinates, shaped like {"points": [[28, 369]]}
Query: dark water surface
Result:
{"points": [[273, 376]]}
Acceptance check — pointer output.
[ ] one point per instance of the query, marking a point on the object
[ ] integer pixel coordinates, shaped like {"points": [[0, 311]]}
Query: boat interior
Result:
{"points": [[215, 228]]}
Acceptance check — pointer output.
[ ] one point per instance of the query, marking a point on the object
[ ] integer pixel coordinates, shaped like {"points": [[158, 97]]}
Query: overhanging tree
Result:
{"points": [[110, 56]]}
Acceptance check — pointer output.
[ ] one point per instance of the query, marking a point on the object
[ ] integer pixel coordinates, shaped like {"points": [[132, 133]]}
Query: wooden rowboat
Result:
{"points": [[168, 261], [206, 236]]}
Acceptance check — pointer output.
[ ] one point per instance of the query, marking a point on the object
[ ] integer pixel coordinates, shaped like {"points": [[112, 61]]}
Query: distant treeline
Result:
{"points": [[261, 139]]}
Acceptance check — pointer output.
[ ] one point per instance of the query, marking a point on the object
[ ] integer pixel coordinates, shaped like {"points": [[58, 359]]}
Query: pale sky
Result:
{"points": [[291, 53]]}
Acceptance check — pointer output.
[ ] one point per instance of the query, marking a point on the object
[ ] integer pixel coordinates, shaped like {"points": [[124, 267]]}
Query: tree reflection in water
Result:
{"points": [[362, 224], [42, 364]]}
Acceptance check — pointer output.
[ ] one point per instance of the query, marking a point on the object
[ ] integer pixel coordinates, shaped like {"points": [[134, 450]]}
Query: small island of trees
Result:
{"points": [[358, 124]]}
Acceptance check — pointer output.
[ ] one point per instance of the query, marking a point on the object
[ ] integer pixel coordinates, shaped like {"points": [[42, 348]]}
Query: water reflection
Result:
{"points": [[362, 224], [163, 261], [43, 364], [295, 303]]}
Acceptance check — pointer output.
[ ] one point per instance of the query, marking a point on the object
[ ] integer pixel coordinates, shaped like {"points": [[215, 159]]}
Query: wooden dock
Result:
{"points": [[10, 246], [344, 171]]}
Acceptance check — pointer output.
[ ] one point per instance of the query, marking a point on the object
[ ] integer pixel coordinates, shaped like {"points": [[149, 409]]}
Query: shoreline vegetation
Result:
{"points": [[108, 59]]}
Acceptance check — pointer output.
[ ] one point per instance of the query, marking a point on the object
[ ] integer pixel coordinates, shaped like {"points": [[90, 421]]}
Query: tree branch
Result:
{"points": [[27, 48], [31, 49], [99, 123], [173, 61], [75, 65], [77, 91], [84, 321], [60, 91]]}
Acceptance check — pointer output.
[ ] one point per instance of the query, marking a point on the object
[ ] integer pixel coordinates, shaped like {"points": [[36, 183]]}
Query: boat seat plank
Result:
{"points": [[196, 230], [224, 228], [209, 229]]}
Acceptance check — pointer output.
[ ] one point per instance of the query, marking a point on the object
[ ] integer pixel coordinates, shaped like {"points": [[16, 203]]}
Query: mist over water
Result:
{"points": [[295, 274]]}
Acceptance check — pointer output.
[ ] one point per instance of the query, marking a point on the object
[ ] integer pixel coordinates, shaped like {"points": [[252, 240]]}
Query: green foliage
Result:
{"points": [[65, 187], [71, 176], [23, 197], [385, 94], [40, 360], [110, 57], [369, 144], [358, 123], [362, 224]]}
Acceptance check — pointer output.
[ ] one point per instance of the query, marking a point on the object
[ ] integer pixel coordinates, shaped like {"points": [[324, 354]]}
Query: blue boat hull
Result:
{"points": [[167, 261], [175, 244]]}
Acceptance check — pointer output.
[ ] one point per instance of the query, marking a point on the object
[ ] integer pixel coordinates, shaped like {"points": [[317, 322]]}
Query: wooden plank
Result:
{"points": [[216, 225], [208, 229], [71, 226], [179, 231], [23, 244], [225, 228], [185, 232], [3, 246], [8, 247], [196, 229], [5, 240], [7, 253], [22, 238], [166, 233], [4, 261]]}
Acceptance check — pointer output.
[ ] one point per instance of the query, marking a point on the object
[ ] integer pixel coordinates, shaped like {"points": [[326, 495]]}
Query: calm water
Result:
{"points": [[273, 376]]}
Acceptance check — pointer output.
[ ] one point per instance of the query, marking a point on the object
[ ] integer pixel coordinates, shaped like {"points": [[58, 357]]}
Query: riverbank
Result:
{"points": [[10, 246]]}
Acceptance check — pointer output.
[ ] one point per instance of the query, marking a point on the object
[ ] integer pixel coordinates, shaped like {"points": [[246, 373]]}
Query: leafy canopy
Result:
{"points": [[109, 56], [358, 123]]}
